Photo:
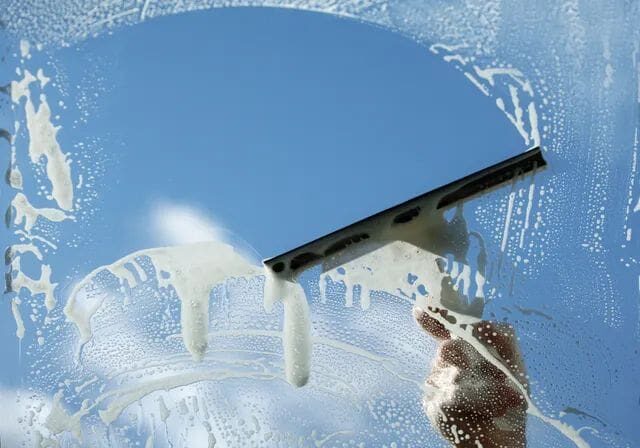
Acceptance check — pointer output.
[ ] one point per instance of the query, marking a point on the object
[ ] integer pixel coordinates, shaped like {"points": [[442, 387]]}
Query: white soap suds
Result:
{"points": [[121, 399], [533, 124], [59, 420], [86, 384], [25, 47], [27, 215], [296, 328], [435, 48], [16, 180], [297, 337], [507, 222], [20, 89], [43, 285], [44, 80], [43, 142], [193, 271], [19, 249], [527, 216], [477, 83], [164, 410], [490, 73], [528, 130], [21, 233], [17, 316], [385, 269]]}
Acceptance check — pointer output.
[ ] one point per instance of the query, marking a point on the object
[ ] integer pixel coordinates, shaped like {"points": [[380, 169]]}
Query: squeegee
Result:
{"points": [[403, 222]]}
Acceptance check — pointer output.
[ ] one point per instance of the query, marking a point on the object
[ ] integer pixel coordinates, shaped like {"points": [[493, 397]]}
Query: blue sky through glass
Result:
{"points": [[283, 125], [276, 125]]}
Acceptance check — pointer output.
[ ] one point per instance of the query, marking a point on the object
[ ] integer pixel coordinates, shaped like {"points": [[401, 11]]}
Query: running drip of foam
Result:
{"points": [[17, 316], [192, 270], [43, 142], [296, 338], [43, 138]]}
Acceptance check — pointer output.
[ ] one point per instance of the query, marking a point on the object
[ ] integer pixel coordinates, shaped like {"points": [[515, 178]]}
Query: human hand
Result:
{"points": [[471, 401]]}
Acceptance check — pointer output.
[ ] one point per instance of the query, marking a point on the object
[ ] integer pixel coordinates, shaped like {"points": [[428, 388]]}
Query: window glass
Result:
{"points": [[158, 151]]}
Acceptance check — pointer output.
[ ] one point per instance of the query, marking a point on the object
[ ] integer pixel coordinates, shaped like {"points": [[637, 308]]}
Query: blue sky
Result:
{"points": [[281, 125]]}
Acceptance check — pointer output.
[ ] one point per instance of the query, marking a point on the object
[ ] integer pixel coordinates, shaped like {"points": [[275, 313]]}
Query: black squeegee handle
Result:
{"points": [[459, 190]]}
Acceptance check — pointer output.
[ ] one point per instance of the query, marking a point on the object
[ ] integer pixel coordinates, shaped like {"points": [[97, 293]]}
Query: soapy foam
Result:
{"points": [[60, 420], [21, 417], [193, 272], [43, 285], [25, 47], [124, 398], [19, 249], [384, 270], [43, 142], [20, 89], [414, 261], [296, 328], [31, 237], [27, 215], [17, 316]]}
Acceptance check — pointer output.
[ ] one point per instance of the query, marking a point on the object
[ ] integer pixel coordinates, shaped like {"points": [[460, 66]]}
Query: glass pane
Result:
{"points": [[157, 151]]}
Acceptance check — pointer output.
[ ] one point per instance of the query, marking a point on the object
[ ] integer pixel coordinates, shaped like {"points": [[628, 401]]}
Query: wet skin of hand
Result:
{"points": [[472, 402]]}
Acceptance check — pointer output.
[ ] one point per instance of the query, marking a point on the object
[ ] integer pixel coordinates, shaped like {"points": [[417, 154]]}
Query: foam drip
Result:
{"points": [[192, 270]]}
